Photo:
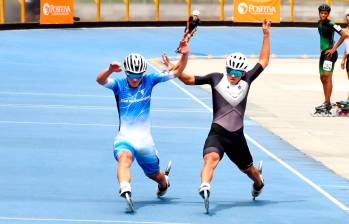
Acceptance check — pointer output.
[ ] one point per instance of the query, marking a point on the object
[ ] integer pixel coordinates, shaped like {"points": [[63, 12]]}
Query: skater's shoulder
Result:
{"points": [[215, 75], [212, 75]]}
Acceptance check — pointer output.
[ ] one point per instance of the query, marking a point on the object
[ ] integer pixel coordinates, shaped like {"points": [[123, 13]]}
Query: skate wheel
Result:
{"points": [[207, 204], [314, 113], [168, 168], [129, 202]]}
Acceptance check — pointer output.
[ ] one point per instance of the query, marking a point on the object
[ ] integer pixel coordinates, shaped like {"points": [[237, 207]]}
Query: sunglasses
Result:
{"points": [[235, 73], [132, 75]]}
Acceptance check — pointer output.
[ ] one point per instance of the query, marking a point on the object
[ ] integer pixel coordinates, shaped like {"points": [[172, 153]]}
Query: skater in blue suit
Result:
{"points": [[134, 140]]}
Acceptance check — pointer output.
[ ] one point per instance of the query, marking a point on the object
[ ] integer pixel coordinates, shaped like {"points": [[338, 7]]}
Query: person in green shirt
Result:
{"points": [[328, 54]]}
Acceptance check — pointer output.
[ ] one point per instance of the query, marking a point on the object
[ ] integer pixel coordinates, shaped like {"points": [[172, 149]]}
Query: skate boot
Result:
{"points": [[125, 192], [342, 104], [345, 108], [342, 108], [162, 192], [256, 191], [323, 110], [204, 191]]}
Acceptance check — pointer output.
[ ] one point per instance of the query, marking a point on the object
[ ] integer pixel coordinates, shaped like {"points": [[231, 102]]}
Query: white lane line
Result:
{"points": [[93, 124], [269, 153], [82, 220], [52, 94], [343, 187], [91, 107], [300, 175], [83, 95]]}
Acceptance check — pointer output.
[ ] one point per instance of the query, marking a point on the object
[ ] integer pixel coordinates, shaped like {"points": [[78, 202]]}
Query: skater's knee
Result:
{"points": [[326, 78], [125, 158], [211, 159]]}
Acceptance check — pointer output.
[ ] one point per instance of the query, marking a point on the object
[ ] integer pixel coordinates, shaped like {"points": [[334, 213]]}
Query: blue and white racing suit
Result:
{"points": [[134, 119]]}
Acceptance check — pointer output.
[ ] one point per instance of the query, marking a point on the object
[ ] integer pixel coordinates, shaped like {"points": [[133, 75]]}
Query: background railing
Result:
{"points": [[27, 11]]}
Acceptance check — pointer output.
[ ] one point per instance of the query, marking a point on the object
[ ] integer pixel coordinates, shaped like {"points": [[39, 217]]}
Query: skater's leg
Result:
{"points": [[211, 161], [163, 180], [160, 179], [124, 154], [253, 173], [123, 168], [326, 80], [147, 158], [124, 176], [187, 38], [348, 79], [256, 175]]}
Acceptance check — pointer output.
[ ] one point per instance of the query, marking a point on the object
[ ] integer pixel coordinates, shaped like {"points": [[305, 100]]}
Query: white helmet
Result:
{"points": [[237, 61], [135, 63], [196, 12], [347, 12]]}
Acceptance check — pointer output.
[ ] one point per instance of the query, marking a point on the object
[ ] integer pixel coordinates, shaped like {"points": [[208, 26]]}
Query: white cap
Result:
{"points": [[347, 12], [196, 12]]}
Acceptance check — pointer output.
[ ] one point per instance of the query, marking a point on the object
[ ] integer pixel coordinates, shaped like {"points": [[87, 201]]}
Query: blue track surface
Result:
{"points": [[57, 128]]}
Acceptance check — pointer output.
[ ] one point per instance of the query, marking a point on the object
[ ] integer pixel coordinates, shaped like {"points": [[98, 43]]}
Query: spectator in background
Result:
{"points": [[345, 61], [328, 55], [190, 29], [33, 10]]}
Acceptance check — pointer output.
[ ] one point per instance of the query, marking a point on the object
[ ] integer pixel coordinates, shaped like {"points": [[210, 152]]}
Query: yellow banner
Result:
{"points": [[57, 12], [256, 10]]}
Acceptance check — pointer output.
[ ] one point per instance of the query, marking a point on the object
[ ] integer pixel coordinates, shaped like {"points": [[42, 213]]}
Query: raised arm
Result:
{"points": [[182, 63], [185, 78], [103, 75], [265, 51]]}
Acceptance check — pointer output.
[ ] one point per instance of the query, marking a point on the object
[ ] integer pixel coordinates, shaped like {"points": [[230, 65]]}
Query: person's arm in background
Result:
{"points": [[179, 67], [181, 64], [344, 59]]}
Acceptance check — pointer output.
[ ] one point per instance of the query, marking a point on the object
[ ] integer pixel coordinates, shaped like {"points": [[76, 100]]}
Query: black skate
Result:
{"points": [[342, 104], [342, 109], [324, 110]]}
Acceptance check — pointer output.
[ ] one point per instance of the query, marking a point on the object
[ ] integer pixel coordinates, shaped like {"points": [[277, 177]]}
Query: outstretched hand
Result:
{"points": [[184, 47], [115, 67], [266, 26], [165, 60]]}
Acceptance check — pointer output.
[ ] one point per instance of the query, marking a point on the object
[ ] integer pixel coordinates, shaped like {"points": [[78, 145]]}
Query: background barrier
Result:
{"points": [[28, 11]]}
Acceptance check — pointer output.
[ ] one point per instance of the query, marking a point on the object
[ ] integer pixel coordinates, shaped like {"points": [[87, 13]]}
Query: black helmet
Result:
{"points": [[325, 7]]}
